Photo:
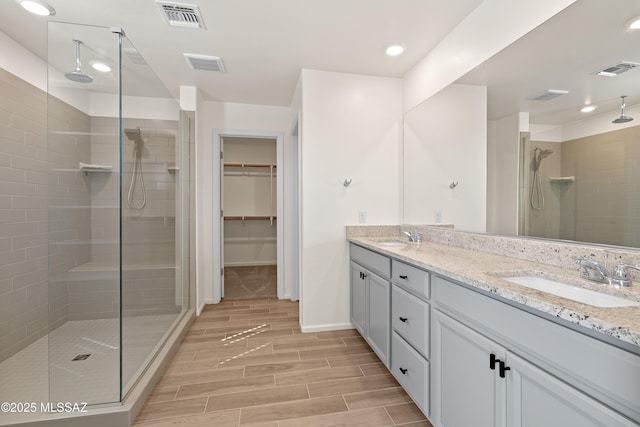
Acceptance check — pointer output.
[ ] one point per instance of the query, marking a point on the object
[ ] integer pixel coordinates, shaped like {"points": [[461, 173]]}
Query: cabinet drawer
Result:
{"points": [[411, 370], [411, 278], [371, 260], [410, 319]]}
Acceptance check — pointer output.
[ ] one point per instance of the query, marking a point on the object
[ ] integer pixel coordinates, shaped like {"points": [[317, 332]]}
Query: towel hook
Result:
{"points": [[453, 185], [347, 182]]}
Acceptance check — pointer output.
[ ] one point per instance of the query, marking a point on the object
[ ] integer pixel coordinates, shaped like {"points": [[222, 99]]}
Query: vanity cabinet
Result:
{"points": [[371, 299], [410, 340], [489, 359]]}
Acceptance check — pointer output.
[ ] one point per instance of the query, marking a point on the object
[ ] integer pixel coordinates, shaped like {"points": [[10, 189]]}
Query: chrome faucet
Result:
{"points": [[414, 237], [621, 274], [591, 270]]}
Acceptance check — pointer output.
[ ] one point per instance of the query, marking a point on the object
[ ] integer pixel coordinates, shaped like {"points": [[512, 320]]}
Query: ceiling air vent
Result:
{"points": [[205, 63], [547, 95], [181, 15], [617, 69], [133, 56]]}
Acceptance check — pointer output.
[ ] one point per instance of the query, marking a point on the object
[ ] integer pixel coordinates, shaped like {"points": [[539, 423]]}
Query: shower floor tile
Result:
{"points": [[45, 371]]}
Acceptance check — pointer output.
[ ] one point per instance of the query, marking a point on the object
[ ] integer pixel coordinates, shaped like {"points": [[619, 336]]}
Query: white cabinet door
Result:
{"points": [[467, 392], [359, 299], [535, 398], [379, 316]]}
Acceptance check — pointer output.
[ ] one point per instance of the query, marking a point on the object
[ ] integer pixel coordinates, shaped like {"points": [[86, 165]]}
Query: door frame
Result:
{"points": [[295, 222], [218, 135]]}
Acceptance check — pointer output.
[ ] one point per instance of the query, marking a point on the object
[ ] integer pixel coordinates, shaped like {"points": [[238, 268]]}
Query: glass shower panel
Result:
{"points": [[154, 203], [83, 211]]}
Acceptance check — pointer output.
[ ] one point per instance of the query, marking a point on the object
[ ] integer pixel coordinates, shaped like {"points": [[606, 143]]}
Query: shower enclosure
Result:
{"points": [[116, 256]]}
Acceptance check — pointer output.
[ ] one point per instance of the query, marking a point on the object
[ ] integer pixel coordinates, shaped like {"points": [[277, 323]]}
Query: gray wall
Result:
{"points": [[603, 205], [24, 189]]}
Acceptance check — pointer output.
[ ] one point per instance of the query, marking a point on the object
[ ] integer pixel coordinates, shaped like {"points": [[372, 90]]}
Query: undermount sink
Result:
{"points": [[391, 243], [571, 292]]}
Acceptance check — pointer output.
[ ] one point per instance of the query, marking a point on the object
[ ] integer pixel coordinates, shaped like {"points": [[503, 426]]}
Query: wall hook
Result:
{"points": [[347, 182], [453, 185]]}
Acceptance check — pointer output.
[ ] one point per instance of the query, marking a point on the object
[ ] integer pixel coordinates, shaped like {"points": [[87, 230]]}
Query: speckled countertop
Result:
{"points": [[483, 270]]}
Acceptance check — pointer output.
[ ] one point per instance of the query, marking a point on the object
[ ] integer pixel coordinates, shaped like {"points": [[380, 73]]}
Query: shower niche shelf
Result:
{"points": [[87, 168], [562, 179]]}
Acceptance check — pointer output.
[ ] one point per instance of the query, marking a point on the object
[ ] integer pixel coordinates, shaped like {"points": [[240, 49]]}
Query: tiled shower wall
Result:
{"points": [[148, 235], [603, 204], [24, 187], [545, 222]]}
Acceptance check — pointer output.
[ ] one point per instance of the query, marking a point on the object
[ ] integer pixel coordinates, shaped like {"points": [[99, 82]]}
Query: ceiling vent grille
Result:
{"points": [[547, 95], [133, 56], [205, 63], [617, 69], [181, 15]]}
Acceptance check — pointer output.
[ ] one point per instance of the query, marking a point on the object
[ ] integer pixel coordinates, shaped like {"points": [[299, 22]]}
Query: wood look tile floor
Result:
{"points": [[246, 362]]}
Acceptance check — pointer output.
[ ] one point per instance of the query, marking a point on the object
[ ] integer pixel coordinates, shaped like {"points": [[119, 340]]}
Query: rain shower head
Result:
{"points": [[78, 75], [622, 118]]}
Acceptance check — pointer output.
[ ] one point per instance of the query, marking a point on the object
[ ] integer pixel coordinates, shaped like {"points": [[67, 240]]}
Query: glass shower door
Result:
{"points": [[154, 189], [83, 215]]}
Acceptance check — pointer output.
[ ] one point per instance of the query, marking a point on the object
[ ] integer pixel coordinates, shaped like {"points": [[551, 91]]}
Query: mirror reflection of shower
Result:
{"points": [[537, 196], [135, 135]]}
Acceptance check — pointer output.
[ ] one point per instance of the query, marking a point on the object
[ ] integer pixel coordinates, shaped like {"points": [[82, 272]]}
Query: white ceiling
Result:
{"points": [[564, 53], [264, 44]]}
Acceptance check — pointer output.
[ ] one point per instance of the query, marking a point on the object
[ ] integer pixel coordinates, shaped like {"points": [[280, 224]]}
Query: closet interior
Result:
{"points": [[249, 213]]}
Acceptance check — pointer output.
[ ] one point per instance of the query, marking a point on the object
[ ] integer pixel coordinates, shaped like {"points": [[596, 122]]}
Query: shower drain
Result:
{"points": [[80, 357]]}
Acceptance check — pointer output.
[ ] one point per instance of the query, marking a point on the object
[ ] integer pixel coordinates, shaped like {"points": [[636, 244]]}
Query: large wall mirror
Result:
{"points": [[506, 149]]}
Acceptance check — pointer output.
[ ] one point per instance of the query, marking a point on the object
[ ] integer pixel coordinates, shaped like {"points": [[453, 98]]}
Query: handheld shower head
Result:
{"points": [[622, 118], [78, 75], [134, 135]]}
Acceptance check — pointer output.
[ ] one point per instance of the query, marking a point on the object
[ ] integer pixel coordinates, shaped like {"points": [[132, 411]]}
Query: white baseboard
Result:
{"points": [[201, 307], [329, 327]]}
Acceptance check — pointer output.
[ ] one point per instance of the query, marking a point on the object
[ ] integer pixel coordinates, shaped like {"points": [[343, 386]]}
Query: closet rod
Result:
{"points": [[248, 218], [248, 165]]}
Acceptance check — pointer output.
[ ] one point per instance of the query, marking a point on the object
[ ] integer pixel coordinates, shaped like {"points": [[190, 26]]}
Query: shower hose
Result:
{"points": [[537, 196], [135, 173]]}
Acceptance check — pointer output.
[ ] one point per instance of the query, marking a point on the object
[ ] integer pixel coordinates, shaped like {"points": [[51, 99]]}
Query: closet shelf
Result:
{"points": [[249, 218], [249, 165]]}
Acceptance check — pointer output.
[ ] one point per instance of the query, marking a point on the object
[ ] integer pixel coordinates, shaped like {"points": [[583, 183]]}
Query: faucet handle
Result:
{"points": [[581, 261], [621, 274]]}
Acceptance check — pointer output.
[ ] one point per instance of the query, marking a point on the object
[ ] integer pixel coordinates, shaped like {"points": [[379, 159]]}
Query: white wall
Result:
{"points": [[599, 123], [503, 163], [22, 63], [491, 27], [445, 141], [228, 116], [351, 128]]}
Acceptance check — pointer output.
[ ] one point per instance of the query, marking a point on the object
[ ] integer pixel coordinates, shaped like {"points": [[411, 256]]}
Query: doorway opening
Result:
{"points": [[251, 211]]}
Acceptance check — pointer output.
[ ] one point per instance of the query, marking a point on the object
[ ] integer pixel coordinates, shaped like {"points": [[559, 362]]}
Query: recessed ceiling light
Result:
{"points": [[588, 108], [101, 66], [634, 24], [395, 49], [38, 7]]}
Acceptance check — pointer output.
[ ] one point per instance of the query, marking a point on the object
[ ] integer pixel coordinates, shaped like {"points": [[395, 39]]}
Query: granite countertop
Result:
{"points": [[483, 271]]}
